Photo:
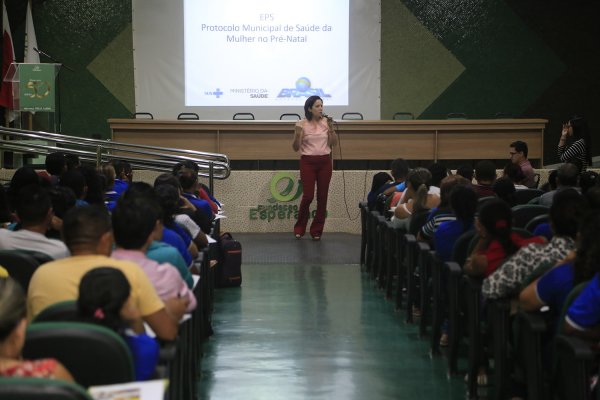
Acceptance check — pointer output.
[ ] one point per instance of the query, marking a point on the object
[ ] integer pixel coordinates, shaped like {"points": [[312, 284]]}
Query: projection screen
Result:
{"points": [[217, 58]]}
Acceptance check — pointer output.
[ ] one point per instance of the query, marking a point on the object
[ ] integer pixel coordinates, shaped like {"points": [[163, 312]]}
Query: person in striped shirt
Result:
{"points": [[575, 143]]}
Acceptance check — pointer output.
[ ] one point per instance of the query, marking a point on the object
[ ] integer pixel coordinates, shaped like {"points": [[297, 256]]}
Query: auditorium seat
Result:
{"points": [[188, 116], [292, 116], [243, 115], [41, 389], [21, 264], [403, 115], [352, 116]]}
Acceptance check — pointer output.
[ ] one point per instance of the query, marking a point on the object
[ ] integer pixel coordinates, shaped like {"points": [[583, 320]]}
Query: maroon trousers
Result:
{"points": [[313, 169]]}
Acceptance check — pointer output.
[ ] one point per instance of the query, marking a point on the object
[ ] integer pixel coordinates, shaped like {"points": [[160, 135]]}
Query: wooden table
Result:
{"points": [[360, 140]]}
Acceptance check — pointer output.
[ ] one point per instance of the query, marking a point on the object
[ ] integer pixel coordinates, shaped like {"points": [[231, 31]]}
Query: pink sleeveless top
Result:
{"points": [[314, 138]]}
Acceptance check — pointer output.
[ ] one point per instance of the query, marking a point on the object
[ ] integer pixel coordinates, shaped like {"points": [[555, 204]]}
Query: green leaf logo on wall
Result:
{"points": [[288, 193]]}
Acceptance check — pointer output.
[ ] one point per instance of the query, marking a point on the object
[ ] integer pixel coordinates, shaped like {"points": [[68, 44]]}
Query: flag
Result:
{"points": [[8, 57], [31, 56]]}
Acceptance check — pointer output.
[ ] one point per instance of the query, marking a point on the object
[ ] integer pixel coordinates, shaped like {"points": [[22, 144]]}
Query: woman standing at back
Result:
{"points": [[314, 137]]}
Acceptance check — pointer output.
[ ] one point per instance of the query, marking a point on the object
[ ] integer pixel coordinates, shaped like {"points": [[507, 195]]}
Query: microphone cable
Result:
{"points": [[344, 176]]}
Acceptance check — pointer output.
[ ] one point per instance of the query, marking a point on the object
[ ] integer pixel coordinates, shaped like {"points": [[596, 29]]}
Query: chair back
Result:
{"points": [[524, 196], [144, 115], [460, 250], [21, 264], [292, 116], [188, 116], [524, 213], [403, 115], [243, 115], [16, 388], [94, 354], [352, 116], [456, 115], [65, 311], [536, 221]]}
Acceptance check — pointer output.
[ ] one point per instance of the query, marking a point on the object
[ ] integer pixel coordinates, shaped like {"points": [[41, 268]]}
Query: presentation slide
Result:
{"points": [[265, 53]]}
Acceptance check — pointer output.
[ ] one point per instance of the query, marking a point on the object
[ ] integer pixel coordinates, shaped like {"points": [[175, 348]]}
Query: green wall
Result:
{"points": [[526, 58]]}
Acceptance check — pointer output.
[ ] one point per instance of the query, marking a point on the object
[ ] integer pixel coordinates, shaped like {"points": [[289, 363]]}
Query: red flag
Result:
{"points": [[8, 57]]}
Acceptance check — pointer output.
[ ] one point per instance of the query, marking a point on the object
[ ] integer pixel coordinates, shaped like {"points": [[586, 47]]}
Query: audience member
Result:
{"points": [[56, 165], [496, 239], [554, 286], [575, 143], [485, 175], [13, 323], [88, 235], [105, 299], [463, 201], [466, 171], [75, 181], [566, 211], [416, 197], [379, 180], [22, 177], [188, 179], [588, 180], [518, 156], [95, 185], [72, 161], [515, 174], [438, 173], [123, 178], [185, 206], [202, 191], [34, 210], [566, 177], [136, 220], [551, 183], [505, 189], [443, 212]]}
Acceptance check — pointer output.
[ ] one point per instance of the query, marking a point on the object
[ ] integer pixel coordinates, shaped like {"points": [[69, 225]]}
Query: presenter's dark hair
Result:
{"points": [[308, 105]]}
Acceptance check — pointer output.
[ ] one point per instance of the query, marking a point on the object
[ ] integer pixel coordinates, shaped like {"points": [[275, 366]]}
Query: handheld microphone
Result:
{"points": [[326, 116]]}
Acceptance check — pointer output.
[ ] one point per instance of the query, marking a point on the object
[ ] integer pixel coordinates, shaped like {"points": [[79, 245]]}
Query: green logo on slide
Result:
{"points": [[287, 193]]}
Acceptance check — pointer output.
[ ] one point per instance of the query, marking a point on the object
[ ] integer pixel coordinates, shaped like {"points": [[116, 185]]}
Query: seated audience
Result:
{"points": [[485, 175], [13, 323], [399, 170], [108, 172], [566, 177], [202, 191], [34, 210], [552, 288], [88, 234], [496, 240], [551, 183], [136, 219], [105, 299], [565, 214], [518, 151], [416, 197], [95, 185], [22, 177]]}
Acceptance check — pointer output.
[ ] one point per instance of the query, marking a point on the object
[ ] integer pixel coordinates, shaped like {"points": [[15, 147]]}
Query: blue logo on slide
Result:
{"points": [[216, 93], [302, 89]]}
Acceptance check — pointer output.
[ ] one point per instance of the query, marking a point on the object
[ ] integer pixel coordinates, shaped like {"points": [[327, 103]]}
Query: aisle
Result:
{"points": [[315, 332]]}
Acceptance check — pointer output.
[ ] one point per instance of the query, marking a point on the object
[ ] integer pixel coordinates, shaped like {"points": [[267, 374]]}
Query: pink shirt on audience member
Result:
{"points": [[314, 138], [164, 277], [529, 173]]}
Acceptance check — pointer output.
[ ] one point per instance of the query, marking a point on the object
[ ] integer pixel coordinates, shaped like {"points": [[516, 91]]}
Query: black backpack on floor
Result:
{"points": [[228, 271]]}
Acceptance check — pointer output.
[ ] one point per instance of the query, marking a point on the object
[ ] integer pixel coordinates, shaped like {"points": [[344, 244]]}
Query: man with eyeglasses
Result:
{"points": [[518, 155]]}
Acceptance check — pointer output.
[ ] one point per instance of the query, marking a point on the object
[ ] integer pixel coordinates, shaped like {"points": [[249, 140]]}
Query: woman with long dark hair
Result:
{"points": [[314, 137], [575, 144]]}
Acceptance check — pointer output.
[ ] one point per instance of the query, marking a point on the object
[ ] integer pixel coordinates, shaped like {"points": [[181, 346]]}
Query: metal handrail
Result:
{"points": [[212, 165]]}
